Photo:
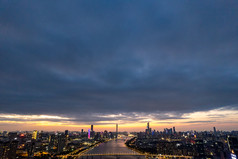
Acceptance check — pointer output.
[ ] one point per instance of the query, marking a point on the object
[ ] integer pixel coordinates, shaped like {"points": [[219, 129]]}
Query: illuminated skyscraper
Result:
{"points": [[34, 135], [52, 141], [61, 143], [116, 130], [66, 134], [88, 133], [148, 130]]}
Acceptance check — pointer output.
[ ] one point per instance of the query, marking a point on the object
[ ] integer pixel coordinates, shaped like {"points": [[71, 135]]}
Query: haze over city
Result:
{"points": [[70, 64]]}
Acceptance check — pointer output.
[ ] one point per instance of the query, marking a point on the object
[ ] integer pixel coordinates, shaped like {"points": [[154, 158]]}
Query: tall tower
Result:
{"points": [[215, 131], [88, 133], [34, 135], [174, 132], [92, 128], [61, 143], [148, 125], [116, 130]]}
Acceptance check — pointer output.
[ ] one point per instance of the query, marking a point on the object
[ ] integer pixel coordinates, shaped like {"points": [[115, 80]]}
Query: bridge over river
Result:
{"points": [[116, 149]]}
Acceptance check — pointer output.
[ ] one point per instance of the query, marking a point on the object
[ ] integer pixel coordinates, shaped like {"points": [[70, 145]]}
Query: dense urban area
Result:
{"points": [[39, 144]]}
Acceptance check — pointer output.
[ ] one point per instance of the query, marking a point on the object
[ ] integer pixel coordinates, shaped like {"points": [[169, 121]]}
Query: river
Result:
{"points": [[113, 146]]}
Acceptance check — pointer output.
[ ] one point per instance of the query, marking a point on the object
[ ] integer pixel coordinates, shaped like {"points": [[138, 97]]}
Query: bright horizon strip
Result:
{"points": [[224, 118], [16, 116]]}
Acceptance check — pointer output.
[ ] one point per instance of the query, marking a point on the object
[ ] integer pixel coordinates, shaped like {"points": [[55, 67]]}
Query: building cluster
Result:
{"points": [[40, 144], [213, 144]]}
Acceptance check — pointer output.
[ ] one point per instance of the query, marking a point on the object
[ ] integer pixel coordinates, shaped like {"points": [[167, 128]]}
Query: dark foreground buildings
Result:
{"points": [[38, 144]]}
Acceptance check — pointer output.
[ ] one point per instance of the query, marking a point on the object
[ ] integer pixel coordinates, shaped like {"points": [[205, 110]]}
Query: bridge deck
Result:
{"points": [[130, 154]]}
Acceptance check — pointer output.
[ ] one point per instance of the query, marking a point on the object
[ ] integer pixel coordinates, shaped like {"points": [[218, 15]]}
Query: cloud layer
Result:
{"points": [[111, 57]]}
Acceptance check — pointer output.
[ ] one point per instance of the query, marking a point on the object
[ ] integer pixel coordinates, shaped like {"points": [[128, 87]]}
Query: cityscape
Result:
{"points": [[119, 79], [148, 144]]}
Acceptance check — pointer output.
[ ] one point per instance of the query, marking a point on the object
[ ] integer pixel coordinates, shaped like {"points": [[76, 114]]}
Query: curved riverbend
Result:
{"points": [[113, 147]]}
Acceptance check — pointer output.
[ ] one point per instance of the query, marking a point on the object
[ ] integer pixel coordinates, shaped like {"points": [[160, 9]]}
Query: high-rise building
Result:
{"points": [[91, 127], [215, 131], [88, 133], [30, 146], [148, 130], [174, 130], [116, 130], [52, 141], [34, 135], [13, 149], [66, 132], [61, 143]]}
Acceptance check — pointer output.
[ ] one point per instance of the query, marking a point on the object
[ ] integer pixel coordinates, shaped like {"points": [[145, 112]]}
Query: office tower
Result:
{"points": [[12, 149], [170, 131], [30, 146], [215, 131], [34, 135], [61, 143], [92, 133], [148, 130], [52, 141], [88, 133], [116, 130], [66, 132], [92, 128], [174, 130], [81, 131]]}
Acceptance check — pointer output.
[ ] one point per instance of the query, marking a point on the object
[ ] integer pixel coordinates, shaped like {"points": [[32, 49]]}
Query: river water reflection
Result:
{"points": [[113, 146]]}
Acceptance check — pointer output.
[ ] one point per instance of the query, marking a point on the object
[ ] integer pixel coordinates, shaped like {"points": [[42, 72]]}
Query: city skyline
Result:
{"points": [[69, 65]]}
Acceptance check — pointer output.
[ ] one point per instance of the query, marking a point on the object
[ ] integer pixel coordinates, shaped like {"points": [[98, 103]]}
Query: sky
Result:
{"points": [[70, 64]]}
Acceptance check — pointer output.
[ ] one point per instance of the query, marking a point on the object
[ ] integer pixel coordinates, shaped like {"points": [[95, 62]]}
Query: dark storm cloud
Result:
{"points": [[79, 57], [93, 118]]}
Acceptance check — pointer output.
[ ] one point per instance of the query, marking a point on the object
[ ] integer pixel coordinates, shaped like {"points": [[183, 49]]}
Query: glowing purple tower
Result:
{"points": [[88, 133]]}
